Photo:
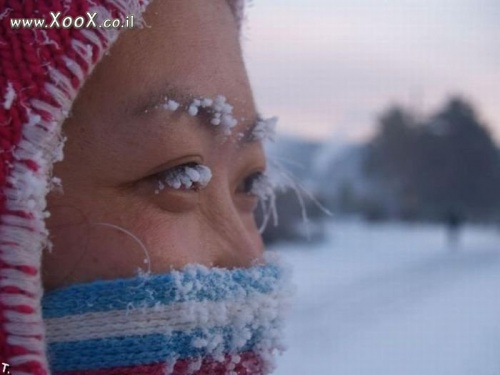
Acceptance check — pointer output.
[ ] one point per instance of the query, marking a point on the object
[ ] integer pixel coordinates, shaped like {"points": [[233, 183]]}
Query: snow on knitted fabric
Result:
{"points": [[197, 320], [41, 73]]}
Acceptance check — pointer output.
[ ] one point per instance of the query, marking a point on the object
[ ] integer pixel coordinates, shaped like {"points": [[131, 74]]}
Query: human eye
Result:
{"points": [[187, 177], [252, 189], [256, 184]]}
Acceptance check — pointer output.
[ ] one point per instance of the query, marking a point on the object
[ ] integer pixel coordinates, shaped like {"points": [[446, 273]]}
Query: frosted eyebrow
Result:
{"points": [[156, 99], [153, 99], [247, 136]]}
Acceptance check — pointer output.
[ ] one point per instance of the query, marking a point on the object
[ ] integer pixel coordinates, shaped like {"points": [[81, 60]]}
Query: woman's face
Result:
{"points": [[120, 139]]}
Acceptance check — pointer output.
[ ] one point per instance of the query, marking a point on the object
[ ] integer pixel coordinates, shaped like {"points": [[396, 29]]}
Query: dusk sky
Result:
{"points": [[328, 67]]}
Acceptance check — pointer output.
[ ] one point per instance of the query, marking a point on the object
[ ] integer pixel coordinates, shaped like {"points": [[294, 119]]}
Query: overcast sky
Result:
{"points": [[328, 67]]}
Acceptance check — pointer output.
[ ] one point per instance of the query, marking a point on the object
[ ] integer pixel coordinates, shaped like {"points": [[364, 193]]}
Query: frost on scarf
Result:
{"points": [[196, 320], [262, 308]]}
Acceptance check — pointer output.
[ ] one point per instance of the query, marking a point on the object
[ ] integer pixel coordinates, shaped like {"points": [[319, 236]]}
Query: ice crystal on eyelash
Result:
{"points": [[216, 120], [264, 188], [193, 110], [206, 102], [281, 181], [186, 176], [194, 107], [265, 129], [228, 121]]}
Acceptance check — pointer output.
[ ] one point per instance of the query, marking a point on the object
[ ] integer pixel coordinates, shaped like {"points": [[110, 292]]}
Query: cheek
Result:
{"points": [[176, 202], [111, 235], [69, 234], [87, 247], [199, 238], [174, 242]]}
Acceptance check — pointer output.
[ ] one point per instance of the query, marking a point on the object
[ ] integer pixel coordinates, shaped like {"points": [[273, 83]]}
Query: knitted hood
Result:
{"points": [[41, 72]]}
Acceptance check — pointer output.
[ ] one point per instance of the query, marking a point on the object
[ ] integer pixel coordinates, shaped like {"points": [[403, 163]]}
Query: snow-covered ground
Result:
{"points": [[394, 299]]}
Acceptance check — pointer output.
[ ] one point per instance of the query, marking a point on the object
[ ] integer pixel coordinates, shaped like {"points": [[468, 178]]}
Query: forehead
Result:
{"points": [[192, 46]]}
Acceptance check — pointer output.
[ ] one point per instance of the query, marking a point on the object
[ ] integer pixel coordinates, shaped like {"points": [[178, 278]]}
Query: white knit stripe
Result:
{"points": [[13, 274], [10, 299], [20, 359], [13, 254], [10, 96], [165, 319], [15, 221], [75, 68], [23, 239], [28, 283], [24, 329], [17, 317], [22, 243], [44, 106], [83, 50], [30, 343]]}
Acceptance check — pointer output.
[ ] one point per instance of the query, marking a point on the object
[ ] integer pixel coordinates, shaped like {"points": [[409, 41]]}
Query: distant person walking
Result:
{"points": [[454, 222]]}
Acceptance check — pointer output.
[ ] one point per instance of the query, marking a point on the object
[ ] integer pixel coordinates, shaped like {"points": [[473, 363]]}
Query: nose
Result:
{"points": [[232, 237]]}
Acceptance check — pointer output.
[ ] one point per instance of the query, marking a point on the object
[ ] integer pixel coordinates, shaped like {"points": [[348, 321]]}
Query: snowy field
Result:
{"points": [[394, 299]]}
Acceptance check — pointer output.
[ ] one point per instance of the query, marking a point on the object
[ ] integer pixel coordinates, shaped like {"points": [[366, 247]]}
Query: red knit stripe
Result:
{"points": [[25, 58], [156, 369], [250, 364]]}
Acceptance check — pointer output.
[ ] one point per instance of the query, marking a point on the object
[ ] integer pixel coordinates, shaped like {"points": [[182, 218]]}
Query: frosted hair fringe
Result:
{"points": [[280, 180]]}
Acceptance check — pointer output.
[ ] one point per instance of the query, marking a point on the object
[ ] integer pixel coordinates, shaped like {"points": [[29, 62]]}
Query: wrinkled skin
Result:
{"points": [[117, 142]]}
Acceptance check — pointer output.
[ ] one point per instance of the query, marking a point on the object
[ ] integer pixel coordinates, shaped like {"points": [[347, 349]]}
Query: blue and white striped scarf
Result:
{"points": [[197, 320]]}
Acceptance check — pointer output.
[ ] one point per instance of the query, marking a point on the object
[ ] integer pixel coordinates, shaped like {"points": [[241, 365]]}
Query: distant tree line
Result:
{"points": [[426, 168], [423, 168]]}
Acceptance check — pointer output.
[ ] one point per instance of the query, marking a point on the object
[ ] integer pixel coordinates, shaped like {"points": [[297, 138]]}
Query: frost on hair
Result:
{"points": [[278, 180], [265, 129], [221, 115], [220, 110], [185, 176], [170, 105], [264, 189]]}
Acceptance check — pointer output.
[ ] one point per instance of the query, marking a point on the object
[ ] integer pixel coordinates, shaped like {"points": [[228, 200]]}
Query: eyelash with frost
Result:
{"points": [[186, 176], [277, 179], [264, 188]]}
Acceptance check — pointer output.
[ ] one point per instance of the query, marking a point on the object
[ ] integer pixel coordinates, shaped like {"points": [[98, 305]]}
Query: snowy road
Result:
{"points": [[395, 299]]}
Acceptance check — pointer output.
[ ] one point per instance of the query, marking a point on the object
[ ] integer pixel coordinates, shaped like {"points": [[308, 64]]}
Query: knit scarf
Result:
{"points": [[197, 320]]}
